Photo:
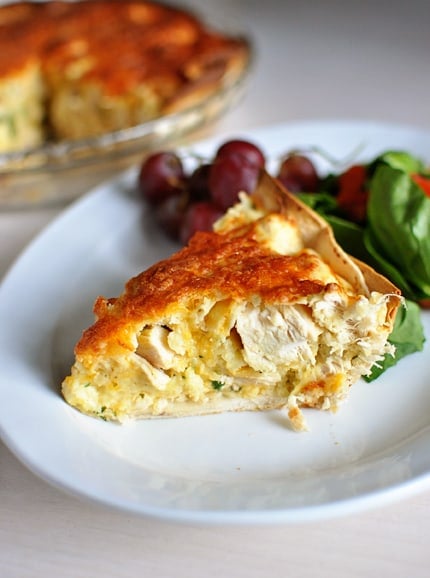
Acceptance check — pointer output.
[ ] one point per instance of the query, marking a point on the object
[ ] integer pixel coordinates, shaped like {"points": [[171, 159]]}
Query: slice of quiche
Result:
{"points": [[265, 312]]}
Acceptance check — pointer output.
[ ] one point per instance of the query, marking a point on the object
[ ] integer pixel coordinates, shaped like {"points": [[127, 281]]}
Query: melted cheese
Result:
{"points": [[246, 313]]}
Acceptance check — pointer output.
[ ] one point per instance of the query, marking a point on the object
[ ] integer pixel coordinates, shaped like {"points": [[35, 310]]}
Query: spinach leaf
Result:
{"points": [[399, 228], [322, 203], [350, 237], [399, 160], [386, 268], [407, 337]]}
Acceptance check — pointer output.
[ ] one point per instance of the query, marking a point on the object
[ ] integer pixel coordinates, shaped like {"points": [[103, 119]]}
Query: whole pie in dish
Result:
{"points": [[71, 70], [265, 312]]}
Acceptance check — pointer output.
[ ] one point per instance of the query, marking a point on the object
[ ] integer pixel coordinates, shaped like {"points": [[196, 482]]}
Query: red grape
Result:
{"points": [[199, 216], [230, 175], [170, 214], [161, 176], [186, 202], [297, 173], [248, 150], [198, 183]]}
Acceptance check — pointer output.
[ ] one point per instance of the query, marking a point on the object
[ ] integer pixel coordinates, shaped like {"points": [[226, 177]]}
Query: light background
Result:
{"points": [[329, 59]]}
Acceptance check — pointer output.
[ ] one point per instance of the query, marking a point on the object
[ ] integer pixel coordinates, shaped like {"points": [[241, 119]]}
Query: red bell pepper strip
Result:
{"points": [[423, 183], [352, 196]]}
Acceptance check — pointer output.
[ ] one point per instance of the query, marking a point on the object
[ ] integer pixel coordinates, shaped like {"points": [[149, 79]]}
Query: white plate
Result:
{"points": [[232, 468]]}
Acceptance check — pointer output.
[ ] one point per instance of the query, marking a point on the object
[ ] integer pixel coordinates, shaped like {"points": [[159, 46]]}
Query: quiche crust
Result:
{"points": [[265, 312]]}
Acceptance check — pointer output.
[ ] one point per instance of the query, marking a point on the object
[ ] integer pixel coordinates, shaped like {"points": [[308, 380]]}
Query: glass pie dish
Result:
{"points": [[56, 172]]}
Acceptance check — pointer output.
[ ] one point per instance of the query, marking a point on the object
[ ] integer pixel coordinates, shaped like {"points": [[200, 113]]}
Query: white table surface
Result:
{"points": [[333, 59]]}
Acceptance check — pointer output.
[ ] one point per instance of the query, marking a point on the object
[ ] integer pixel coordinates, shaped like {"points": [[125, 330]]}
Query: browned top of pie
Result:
{"points": [[233, 265], [120, 43]]}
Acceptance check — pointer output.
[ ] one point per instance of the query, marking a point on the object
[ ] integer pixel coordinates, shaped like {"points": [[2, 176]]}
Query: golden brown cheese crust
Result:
{"points": [[119, 46], [265, 312], [235, 265]]}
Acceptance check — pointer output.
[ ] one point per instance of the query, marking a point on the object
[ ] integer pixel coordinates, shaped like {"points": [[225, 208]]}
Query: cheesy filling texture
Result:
{"points": [[304, 351], [228, 348]]}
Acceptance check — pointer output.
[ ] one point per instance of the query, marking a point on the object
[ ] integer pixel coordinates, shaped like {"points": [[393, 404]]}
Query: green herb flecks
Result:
{"points": [[217, 384], [101, 412]]}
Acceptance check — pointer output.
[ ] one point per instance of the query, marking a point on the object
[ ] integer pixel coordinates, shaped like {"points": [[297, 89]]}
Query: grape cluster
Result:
{"points": [[184, 203]]}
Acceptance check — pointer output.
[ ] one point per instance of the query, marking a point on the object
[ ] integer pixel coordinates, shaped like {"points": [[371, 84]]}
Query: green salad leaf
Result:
{"points": [[398, 229], [387, 268], [323, 203], [350, 237], [401, 160]]}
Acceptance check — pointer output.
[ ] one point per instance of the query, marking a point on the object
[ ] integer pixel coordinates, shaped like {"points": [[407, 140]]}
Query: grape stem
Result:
{"points": [[334, 162], [337, 163]]}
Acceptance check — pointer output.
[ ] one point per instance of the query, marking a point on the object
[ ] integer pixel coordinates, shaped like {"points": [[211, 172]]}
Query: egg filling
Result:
{"points": [[244, 318]]}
